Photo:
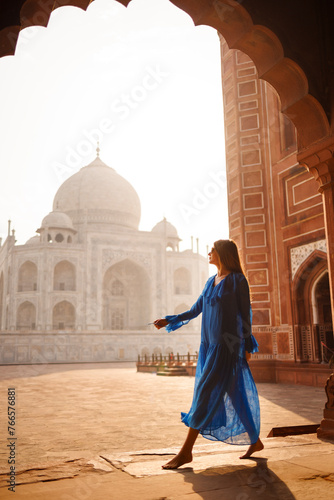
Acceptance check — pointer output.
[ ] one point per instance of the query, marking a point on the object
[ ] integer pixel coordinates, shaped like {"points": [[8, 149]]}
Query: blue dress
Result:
{"points": [[225, 404]]}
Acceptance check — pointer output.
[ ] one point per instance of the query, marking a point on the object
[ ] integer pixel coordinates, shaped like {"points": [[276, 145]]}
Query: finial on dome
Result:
{"points": [[98, 149]]}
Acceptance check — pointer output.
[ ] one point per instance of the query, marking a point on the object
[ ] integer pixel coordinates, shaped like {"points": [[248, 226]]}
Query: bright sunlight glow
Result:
{"points": [[144, 81]]}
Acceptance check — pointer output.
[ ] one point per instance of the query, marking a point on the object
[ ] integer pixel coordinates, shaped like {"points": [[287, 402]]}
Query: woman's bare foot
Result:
{"points": [[258, 446], [178, 460]]}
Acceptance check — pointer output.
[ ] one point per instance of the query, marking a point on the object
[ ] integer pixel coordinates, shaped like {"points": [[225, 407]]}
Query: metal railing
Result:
{"points": [[169, 358]]}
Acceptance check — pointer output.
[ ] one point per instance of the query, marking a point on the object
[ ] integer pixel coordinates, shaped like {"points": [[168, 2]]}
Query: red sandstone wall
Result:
{"points": [[274, 204]]}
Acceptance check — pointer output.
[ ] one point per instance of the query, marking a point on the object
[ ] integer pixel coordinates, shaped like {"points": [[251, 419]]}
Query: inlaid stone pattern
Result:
{"points": [[274, 342], [299, 254], [112, 256]]}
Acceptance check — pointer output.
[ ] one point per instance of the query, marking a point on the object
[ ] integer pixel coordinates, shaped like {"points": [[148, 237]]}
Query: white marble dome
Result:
{"points": [[97, 194], [34, 240], [165, 228], [57, 220]]}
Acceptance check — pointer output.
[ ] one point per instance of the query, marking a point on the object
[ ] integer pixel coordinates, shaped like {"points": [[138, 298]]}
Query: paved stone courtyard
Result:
{"points": [[95, 422]]}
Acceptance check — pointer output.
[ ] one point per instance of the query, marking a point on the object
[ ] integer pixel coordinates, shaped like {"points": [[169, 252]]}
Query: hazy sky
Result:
{"points": [[143, 80]]}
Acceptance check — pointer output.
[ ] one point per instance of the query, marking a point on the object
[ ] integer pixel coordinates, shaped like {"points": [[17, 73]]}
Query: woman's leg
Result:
{"points": [[185, 454], [246, 417]]}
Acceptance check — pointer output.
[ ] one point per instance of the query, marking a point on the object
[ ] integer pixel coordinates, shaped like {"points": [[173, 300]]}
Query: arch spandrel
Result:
{"points": [[112, 257], [8, 40], [35, 13], [307, 266]]}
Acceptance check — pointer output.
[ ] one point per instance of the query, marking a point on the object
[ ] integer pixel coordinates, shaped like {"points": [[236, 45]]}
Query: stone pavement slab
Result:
{"points": [[282, 471], [102, 432], [148, 462]]}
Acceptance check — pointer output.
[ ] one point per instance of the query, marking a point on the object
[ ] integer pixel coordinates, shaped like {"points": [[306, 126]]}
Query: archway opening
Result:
{"points": [[311, 298], [322, 315], [63, 316], [27, 279], [26, 316], [126, 297], [64, 276]]}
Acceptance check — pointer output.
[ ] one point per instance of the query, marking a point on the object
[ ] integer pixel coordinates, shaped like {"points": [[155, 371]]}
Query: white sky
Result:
{"points": [[149, 82]]}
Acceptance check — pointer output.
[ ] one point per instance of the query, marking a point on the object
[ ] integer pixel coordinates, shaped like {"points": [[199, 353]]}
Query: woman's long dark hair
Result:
{"points": [[229, 255]]}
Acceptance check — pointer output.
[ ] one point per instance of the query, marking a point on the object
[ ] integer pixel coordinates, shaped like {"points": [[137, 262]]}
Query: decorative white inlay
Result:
{"points": [[299, 254]]}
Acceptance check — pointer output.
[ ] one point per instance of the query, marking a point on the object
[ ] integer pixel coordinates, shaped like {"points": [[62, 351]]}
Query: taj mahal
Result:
{"points": [[87, 285]]}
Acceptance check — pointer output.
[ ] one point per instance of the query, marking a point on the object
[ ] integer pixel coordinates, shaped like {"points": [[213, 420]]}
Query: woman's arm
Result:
{"points": [[175, 321], [245, 310]]}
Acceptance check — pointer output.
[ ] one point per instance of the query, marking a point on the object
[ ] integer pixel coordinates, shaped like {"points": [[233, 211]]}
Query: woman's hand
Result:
{"points": [[160, 323], [248, 356]]}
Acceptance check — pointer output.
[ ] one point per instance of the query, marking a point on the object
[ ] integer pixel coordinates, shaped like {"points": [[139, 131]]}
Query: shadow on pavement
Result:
{"points": [[305, 401], [239, 482]]}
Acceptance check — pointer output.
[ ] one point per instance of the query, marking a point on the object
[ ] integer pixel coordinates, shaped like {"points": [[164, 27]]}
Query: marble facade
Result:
{"points": [[87, 285]]}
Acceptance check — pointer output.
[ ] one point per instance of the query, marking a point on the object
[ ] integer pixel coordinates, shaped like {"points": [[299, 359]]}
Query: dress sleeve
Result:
{"points": [[177, 320], [251, 344]]}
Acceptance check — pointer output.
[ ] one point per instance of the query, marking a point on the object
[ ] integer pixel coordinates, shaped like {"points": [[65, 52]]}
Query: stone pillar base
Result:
{"points": [[326, 429]]}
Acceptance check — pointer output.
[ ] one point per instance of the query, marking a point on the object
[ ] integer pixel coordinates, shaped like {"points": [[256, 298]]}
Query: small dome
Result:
{"points": [[165, 228], [57, 220], [35, 240]]}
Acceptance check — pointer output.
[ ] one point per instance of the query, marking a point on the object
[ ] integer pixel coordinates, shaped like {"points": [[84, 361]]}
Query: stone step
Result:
{"points": [[175, 371]]}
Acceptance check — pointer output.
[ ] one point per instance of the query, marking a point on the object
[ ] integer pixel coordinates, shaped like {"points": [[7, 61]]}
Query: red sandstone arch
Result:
{"points": [[302, 284], [305, 276], [235, 24]]}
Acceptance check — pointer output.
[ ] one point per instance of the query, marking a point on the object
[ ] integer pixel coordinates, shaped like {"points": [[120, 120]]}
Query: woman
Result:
{"points": [[225, 404]]}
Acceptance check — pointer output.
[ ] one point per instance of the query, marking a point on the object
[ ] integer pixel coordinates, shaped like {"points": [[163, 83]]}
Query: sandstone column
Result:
{"points": [[321, 163]]}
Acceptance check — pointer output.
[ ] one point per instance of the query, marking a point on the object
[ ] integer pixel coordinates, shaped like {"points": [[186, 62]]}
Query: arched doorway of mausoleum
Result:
{"points": [[64, 276], [311, 308], [125, 297], [27, 277], [63, 316], [26, 316]]}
